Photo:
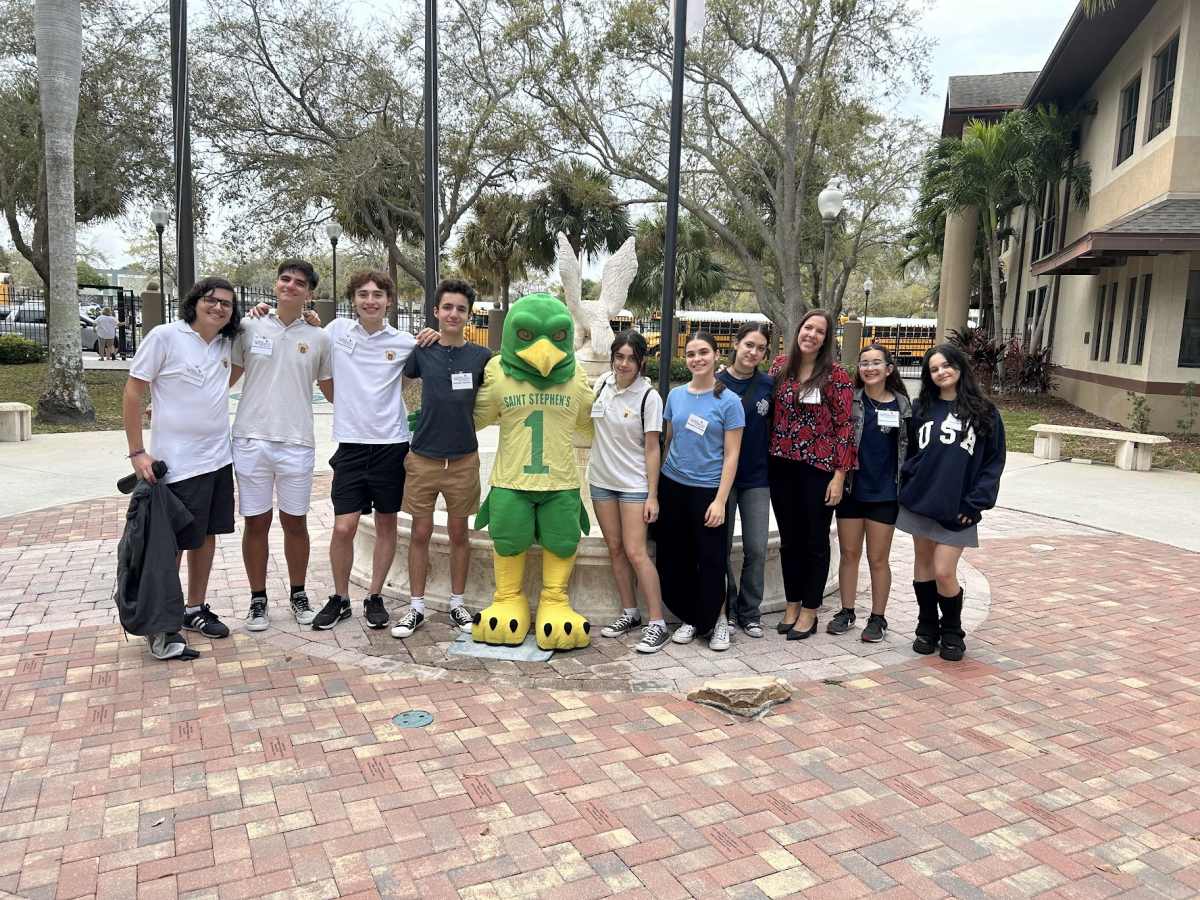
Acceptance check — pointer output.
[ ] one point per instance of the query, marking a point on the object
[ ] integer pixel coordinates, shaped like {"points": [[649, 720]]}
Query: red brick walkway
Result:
{"points": [[1059, 761]]}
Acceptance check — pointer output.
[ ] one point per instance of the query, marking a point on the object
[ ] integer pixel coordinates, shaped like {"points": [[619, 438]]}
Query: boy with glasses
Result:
{"points": [[274, 446], [186, 366]]}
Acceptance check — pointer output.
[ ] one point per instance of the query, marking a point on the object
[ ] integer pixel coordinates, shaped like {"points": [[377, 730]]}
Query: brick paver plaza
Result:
{"points": [[1058, 760]]}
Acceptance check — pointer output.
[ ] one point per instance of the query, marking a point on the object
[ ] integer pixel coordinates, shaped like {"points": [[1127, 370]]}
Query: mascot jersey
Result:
{"points": [[536, 429]]}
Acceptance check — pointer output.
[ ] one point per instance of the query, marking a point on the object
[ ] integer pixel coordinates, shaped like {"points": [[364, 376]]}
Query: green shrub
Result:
{"points": [[1139, 414], [1190, 404], [16, 350], [679, 369]]}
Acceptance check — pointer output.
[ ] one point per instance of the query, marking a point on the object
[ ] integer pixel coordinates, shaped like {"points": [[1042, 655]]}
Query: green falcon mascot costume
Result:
{"points": [[540, 397]]}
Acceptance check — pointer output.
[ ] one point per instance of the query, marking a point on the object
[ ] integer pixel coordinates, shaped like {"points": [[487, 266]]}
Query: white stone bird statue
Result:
{"points": [[592, 317]]}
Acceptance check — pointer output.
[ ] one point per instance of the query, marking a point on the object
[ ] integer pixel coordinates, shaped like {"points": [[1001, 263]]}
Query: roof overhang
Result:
{"points": [[1104, 249]]}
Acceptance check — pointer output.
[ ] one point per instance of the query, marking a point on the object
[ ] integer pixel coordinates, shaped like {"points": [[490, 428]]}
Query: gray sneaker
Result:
{"points": [[720, 636], [876, 629], [654, 638], [258, 619], [301, 608], [625, 624], [753, 628], [684, 634]]}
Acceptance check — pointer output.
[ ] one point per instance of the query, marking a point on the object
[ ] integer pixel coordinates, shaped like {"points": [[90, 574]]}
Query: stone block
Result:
{"points": [[16, 422], [743, 696]]}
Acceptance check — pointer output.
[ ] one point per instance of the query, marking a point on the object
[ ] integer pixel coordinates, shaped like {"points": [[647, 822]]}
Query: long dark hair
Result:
{"points": [[705, 336], [636, 343], [746, 329], [969, 404], [893, 383], [203, 288], [822, 367]]}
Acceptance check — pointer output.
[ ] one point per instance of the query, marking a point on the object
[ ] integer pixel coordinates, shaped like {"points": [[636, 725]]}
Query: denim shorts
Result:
{"points": [[599, 493]]}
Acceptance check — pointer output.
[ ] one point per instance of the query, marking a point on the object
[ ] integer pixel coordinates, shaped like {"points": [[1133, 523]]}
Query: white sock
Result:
{"points": [[661, 623], [633, 613], [188, 610], [456, 600], [418, 604]]}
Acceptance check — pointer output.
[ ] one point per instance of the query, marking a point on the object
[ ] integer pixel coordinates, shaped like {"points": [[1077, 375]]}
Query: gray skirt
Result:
{"points": [[922, 527]]}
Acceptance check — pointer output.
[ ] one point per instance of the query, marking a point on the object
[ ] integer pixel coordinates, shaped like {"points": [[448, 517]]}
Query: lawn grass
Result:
{"points": [[25, 384]]}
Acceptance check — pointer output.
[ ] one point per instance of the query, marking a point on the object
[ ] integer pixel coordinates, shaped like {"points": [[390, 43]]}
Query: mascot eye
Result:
{"points": [[559, 335], [525, 335]]}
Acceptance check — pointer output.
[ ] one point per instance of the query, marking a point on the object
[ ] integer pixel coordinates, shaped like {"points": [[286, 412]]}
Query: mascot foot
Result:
{"points": [[506, 621], [558, 626]]}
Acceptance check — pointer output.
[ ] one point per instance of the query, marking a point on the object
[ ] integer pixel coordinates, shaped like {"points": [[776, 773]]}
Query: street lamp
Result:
{"points": [[334, 230], [829, 204], [868, 286], [160, 216]]}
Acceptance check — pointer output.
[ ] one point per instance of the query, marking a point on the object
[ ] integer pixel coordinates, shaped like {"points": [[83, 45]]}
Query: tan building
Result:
{"points": [[1122, 278]]}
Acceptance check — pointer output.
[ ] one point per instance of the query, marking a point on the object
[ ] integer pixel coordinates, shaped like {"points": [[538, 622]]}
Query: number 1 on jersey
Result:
{"points": [[534, 423]]}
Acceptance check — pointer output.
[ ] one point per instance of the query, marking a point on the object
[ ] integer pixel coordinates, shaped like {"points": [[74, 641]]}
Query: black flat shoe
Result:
{"points": [[795, 635]]}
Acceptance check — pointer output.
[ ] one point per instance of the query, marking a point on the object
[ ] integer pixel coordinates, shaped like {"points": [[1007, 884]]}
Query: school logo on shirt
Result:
{"points": [[224, 362], [303, 348], [762, 406], [391, 354]]}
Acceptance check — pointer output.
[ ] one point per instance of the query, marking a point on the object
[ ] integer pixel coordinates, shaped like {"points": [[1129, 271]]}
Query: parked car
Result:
{"points": [[29, 321]]}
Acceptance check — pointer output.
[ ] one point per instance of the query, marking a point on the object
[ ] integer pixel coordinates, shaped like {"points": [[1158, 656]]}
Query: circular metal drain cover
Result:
{"points": [[416, 718]]}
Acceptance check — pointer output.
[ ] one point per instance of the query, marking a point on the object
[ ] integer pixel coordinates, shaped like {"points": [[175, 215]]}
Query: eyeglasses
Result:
{"points": [[871, 363], [210, 300]]}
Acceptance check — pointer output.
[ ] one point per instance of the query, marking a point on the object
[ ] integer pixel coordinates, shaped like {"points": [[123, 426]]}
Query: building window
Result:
{"points": [[1189, 341], [1113, 290], [1098, 324], [1129, 111], [1035, 248], [1127, 325], [1043, 229], [1164, 88], [1145, 314]]}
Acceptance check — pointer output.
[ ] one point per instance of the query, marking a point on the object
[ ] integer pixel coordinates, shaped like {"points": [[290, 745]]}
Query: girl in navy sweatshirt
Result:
{"points": [[951, 475]]}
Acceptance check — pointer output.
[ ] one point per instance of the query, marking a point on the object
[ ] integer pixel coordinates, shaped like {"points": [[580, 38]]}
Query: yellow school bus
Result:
{"points": [[908, 339]]}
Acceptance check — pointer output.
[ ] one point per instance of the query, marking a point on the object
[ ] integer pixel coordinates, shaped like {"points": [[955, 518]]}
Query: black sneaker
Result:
{"points": [[875, 630], [166, 645], [461, 616], [374, 611], [654, 638], [410, 622], [842, 622], [622, 626], [331, 613], [205, 621]]}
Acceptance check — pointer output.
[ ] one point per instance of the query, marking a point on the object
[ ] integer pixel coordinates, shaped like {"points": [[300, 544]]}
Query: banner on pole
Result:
{"points": [[695, 17]]}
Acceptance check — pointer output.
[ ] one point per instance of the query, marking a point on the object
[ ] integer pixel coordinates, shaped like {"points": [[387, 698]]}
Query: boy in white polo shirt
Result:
{"points": [[370, 424], [274, 447], [185, 364]]}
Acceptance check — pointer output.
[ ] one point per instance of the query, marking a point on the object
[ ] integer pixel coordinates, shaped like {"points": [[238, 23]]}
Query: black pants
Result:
{"points": [[690, 556], [798, 498]]}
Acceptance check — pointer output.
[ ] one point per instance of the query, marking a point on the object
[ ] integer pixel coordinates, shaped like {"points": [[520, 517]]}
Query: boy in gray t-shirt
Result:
{"points": [[444, 454]]}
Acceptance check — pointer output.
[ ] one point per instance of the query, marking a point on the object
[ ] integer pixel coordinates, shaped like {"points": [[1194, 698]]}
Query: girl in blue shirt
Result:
{"points": [[703, 428]]}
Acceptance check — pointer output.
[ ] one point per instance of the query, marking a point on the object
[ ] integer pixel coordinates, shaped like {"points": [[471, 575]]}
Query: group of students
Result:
{"points": [[804, 440], [360, 365], [809, 442]]}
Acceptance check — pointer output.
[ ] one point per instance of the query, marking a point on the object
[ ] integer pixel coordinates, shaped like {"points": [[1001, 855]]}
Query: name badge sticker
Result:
{"points": [[193, 375], [345, 343], [888, 418], [812, 397], [696, 424], [263, 346], [953, 423], [598, 409], [461, 381]]}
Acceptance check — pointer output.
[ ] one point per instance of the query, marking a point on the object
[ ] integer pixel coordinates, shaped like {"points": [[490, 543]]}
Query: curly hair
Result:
{"points": [[204, 288], [382, 280]]}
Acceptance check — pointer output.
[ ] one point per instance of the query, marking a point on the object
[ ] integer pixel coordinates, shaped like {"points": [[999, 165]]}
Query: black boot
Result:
{"points": [[953, 645], [927, 617]]}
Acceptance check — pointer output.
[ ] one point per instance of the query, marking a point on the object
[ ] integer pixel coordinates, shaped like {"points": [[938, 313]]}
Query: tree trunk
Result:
{"points": [[58, 29], [993, 242], [505, 283], [394, 313]]}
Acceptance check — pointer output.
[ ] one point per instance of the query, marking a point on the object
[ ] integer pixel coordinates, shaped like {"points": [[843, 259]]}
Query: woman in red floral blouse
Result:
{"points": [[812, 449]]}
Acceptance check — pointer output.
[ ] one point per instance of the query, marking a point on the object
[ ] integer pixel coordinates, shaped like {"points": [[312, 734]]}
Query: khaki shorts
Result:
{"points": [[455, 479], [106, 344]]}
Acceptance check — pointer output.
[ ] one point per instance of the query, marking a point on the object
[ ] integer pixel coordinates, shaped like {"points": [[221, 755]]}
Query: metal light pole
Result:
{"points": [[868, 286], [160, 216], [334, 230], [185, 241], [829, 204], [431, 159], [666, 345]]}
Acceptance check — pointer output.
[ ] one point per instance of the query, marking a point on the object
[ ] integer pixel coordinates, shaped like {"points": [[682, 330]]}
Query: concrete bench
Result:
{"points": [[1134, 451], [16, 422]]}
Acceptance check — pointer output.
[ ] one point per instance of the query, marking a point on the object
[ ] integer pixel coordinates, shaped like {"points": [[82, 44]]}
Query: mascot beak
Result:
{"points": [[542, 355]]}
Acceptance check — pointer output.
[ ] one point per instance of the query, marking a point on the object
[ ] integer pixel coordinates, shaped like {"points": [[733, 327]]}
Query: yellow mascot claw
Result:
{"points": [[558, 626], [506, 621]]}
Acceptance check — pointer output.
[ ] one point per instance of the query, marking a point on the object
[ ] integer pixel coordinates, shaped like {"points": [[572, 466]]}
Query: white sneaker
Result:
{"points": [[684, 634], [720, 636], [258, 620]]}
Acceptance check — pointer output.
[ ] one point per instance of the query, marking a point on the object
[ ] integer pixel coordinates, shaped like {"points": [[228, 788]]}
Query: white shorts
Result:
{"points": [[267, 468]]}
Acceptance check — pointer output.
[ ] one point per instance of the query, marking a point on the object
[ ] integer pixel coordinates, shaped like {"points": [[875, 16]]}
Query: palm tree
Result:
{"points": [[1093, 8], [58, 30], [579, 201], [698, 274], [492, 244]]}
